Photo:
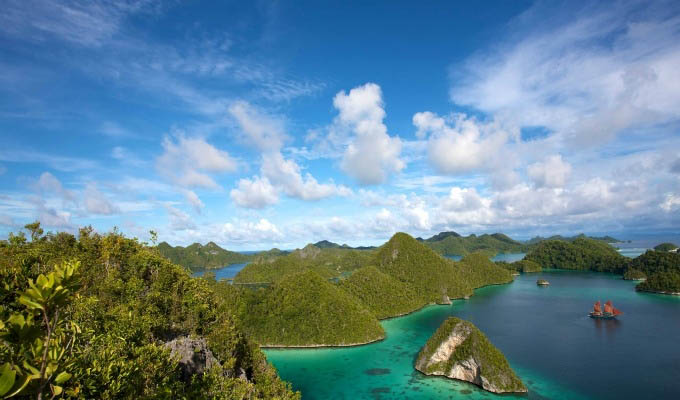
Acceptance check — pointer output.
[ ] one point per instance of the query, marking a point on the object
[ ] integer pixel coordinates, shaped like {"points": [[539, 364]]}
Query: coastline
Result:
{"points": [[658, 292], [317, 346], [320, 346]]}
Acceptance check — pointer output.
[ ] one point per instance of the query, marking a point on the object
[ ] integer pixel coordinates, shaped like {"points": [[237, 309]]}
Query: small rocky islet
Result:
{"points": [[459, 350]]}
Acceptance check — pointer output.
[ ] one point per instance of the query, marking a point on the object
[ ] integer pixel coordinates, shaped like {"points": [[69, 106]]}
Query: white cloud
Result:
{"points": [[96, 203], [265, 132], [671, 202], [605, 71], [244, 231], [459, 144], [49, 184], [193, 199], [552, 172], [286, 175], [372, 155], [179, 220], [254, 193], [186, 162], [278, 174]]}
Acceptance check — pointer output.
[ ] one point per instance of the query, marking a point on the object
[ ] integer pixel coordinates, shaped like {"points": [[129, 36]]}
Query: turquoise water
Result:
{"points": [[545, 333], [229, 271]]}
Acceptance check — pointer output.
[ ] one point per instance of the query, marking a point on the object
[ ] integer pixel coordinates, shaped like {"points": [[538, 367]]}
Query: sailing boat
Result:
{"points": [[608, 313]]}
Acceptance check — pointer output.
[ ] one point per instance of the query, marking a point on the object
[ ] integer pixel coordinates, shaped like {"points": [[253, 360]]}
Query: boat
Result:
{"points": [[542, 282], [608, 313]]}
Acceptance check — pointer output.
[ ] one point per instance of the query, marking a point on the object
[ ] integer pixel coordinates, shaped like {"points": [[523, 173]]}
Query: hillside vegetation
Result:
{"points": [[666, 247], [328, 262], [662, 270], [104, 307], [580, 254], [384, 295], [451, 243], [305, 309], [199, 257]]}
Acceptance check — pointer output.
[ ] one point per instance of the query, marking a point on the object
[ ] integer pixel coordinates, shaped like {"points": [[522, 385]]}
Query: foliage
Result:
{"points": [[382, 294], [327, 262], [110, 335], [199, 257], [634, 274], [580, 254], [524, 266], [666, 247], [479, 271], [493, 364], [605, 239], [450, 243], [303, 309], [431, 276], [662, 270]]}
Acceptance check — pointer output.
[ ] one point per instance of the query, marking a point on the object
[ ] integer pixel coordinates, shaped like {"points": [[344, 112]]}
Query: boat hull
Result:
{"points": [[602, 316]]}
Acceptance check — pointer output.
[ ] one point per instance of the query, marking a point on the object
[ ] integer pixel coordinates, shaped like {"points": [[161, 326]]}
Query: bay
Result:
{"points": [[558, 351], [227, 272]]}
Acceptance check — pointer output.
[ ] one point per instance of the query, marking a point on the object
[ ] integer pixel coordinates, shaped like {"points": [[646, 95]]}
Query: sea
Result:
{"points": [[545, 333]]}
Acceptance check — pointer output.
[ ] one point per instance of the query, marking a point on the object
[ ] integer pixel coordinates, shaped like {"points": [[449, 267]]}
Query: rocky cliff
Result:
{"points": [[459, 350]]}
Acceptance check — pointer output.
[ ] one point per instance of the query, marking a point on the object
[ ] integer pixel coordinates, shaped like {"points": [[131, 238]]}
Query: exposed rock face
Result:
{"points": [[193, 355], [459, 350]]}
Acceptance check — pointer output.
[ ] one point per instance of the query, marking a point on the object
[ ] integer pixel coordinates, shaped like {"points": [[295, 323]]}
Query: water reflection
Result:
{"points": [[607, 326]]}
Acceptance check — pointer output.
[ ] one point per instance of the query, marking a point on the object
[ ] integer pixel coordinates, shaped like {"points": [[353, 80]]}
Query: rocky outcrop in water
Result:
{"points": [[459, 350]]}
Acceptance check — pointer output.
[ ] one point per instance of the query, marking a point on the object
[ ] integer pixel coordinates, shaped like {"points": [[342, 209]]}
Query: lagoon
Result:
{"points": [[558, 351]]}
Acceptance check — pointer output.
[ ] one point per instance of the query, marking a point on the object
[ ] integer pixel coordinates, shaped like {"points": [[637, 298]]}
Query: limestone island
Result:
{"points": [[459, 350], [542, 282]]}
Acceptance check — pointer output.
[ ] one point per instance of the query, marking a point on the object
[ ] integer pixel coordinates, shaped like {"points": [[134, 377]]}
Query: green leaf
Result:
{"points": [[7, 377], [57, 390], [28, 302], [62, 377]]}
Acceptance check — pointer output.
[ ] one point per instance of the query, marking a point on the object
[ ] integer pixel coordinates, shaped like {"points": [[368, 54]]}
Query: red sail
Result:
{"points": [[617, 312], [596, 308], [608, 307]]}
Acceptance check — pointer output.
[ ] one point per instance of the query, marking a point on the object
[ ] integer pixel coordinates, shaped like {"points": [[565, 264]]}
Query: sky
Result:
{"points": [[274, 124]]}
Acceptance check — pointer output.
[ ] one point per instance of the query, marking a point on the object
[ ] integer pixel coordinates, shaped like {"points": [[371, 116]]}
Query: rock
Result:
{"points": [[459, 350], [193, 355], [445, 299]]}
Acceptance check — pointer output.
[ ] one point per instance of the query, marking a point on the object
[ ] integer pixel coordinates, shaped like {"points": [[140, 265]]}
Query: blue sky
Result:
{"points": [[262, 124]]}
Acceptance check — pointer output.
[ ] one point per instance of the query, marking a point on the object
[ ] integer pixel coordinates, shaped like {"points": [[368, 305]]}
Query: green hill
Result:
{"points": [[479, 271], [451, 243], [383, 295], [524, 266], [199, 257], [433, 278], [606, 239], [666, 247], [327, 262], [306, 310], [580, 254], [662, 270]]}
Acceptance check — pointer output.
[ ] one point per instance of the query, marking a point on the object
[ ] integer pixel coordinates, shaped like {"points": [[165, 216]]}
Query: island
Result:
{"points": [[459, 350]]}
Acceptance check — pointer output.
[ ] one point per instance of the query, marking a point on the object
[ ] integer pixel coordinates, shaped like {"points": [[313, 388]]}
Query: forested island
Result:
{"points": [[198, 257], [459, 350]]}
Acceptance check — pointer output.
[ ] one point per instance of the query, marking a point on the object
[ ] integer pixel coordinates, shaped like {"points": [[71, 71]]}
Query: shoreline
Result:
{"points": [[320, 346], [658, 292], [317, 346]]}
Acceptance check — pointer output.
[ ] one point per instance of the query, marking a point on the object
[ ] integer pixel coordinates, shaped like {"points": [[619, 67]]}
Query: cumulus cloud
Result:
{"points": [[596, 73], [286, 175], [671, 202], [188, 161], [96, 202], [254, 193], [459, 144], [552, 172], [278, 174], [372, 155]]}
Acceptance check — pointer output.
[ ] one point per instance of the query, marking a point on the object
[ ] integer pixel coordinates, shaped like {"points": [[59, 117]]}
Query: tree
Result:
{"points": [[35, 229]]}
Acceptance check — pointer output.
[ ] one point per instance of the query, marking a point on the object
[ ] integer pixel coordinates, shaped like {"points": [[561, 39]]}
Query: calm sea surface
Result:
{"points": [[545, 333]]}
